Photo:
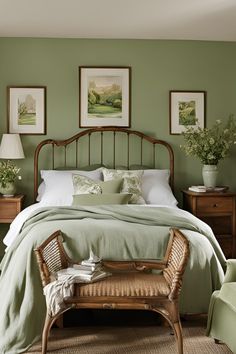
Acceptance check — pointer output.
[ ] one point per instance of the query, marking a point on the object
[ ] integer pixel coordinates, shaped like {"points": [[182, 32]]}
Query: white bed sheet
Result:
{"points": [[18, 222]]}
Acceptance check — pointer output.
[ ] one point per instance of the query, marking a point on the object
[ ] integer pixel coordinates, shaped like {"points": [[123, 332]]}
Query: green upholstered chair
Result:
{"points": [[222, 311]]}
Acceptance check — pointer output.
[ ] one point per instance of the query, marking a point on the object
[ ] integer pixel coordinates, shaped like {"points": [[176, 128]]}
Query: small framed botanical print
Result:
{"points": [[187, 108], [26, 109]]}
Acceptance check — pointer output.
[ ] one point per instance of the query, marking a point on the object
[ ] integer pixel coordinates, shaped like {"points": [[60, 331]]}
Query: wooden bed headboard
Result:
{"points": [[106, 149]]}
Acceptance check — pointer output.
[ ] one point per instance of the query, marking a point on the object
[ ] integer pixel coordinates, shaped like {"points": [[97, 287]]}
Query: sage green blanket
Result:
{"points": [[113, 232]]}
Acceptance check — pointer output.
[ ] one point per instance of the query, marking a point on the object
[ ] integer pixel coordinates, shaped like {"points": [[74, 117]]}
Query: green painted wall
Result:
{"points": [[157, 67]]}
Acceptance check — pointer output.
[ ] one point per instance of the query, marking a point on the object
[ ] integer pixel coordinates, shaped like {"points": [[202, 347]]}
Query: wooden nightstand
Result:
{"points": [[10, 207], [218, 211]]}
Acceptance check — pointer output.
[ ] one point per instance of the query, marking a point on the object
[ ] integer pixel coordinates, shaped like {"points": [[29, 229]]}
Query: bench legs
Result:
{"points": [[178, 335], [46, 329], [170, 312], [174, 323], [49, 320]]}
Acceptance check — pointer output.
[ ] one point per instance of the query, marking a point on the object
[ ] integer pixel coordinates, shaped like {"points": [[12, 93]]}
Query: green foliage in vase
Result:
{"points": [[210, 145], [8, 173]]}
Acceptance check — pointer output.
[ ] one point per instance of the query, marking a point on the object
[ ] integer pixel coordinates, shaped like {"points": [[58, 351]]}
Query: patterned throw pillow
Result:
{"points": [[132, 183], [86, 185]]}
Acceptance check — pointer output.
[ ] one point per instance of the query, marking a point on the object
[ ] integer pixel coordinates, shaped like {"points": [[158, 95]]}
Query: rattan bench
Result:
{"points": [[131, 286]]}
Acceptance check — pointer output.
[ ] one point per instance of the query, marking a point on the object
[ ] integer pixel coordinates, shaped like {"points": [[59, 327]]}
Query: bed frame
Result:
{"points": [[132, 142]]}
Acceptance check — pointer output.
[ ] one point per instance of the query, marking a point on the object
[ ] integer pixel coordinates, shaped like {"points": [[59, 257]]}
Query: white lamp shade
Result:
{"points": [[11, 147]]}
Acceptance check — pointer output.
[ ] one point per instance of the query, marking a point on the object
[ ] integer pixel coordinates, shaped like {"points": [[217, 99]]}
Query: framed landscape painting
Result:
{"points": [[104, 96], [187, 108], [26, 109]]}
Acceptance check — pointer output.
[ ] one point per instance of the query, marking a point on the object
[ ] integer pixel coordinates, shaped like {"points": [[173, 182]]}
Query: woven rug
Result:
{"points": [[130, 339]]}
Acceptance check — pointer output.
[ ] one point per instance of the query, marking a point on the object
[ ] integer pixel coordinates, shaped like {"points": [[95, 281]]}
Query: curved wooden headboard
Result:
{"points": [[115, 132]]}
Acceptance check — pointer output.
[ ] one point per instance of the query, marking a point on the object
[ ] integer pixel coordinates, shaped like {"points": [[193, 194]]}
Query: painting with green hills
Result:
{"points": [[104, 97], [26, 110]]}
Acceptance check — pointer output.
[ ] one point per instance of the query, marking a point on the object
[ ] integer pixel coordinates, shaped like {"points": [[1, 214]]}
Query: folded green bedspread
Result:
{"points": [[113, 232]]}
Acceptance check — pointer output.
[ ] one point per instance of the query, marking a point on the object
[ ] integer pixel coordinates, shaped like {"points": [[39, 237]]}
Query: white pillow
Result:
{"points": [[41, 191], [156, 188], [59, 188]]}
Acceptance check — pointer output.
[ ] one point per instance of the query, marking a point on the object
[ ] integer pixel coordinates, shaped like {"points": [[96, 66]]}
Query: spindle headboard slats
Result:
{"points": [[88, 132]]}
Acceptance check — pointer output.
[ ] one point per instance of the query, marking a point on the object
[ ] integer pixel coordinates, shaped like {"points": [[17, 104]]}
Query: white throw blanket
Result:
{"points": [[56, 292], [63, 287]]}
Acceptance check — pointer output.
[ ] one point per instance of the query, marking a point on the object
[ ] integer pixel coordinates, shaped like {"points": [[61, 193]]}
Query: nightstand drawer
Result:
{"points": [[10, 208], [214, 204], [218, 210]]}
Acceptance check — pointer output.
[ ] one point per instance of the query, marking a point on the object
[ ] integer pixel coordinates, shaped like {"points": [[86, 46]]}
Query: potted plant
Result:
{"points": [[210, 145], [8, 175]]}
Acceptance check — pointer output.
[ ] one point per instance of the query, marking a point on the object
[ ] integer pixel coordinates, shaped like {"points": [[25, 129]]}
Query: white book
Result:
{"points": [[202, 189], [87, 271], [100, 275], [81, 277], [198, 189], [73, 271], [86, 268], [89, 264]]}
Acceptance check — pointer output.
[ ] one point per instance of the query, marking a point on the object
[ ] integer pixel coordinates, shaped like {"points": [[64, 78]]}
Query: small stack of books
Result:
{"points": [[198, 189], [87, 271], [202, 189]]}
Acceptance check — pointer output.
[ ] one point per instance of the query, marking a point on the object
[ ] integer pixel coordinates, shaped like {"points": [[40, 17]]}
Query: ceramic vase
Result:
{"points": [[9, 190], [209, 175]]}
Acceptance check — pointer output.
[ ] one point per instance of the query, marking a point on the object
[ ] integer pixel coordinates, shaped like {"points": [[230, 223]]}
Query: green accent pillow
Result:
{"points": [[112, 186], [86, 185], [132, 183], [101, 199]]}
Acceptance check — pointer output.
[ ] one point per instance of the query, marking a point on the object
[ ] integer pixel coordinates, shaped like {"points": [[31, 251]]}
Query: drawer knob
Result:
{"points": [[215, 205]]}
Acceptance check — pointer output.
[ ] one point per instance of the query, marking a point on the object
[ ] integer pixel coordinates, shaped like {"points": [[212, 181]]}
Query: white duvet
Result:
{"points": [[17, 223]]}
